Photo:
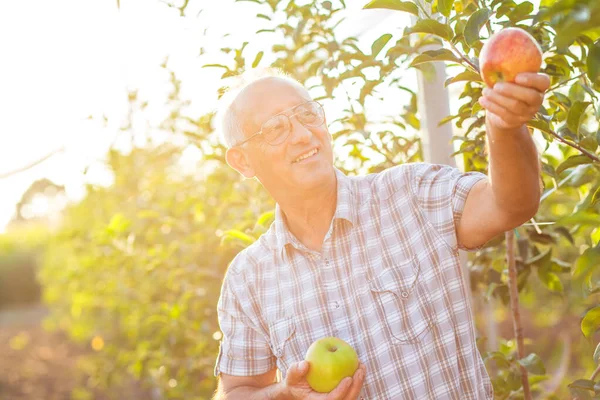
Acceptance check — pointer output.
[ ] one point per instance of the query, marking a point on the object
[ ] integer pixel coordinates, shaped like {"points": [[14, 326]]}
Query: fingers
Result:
{"points": [[515, 103], [516, 107], [296, 372], [349, 388], [525, 95], [341, 390], [537, 81], [357, 383], [508, 116]]}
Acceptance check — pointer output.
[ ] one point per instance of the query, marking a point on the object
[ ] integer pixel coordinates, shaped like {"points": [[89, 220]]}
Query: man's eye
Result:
{"points": [[275, 128]]}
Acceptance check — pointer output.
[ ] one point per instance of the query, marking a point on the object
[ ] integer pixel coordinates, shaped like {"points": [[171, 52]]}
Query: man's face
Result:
{"points": [[277, 166]]}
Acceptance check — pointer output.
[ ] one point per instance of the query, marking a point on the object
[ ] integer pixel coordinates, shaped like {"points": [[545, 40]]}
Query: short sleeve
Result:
{"points": [[244, 349], [441, 193]]}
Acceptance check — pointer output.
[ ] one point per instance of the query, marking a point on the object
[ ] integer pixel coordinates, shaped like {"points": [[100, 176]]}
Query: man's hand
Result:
{"points": [[297, 387], [510, 105]]}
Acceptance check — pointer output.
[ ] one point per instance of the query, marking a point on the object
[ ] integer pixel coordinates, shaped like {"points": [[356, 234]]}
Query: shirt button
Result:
{"points": [[336, 304], [404, 294], [279, 352], [327, 261]]}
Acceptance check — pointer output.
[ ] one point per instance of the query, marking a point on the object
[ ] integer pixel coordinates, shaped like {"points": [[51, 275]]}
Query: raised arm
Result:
{"points": [[511, 194]]}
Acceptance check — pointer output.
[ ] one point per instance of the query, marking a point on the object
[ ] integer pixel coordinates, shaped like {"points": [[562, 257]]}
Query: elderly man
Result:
{"points": [[370, 259]]}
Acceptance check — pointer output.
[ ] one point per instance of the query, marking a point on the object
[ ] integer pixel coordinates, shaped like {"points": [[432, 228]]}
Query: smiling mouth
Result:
{"points": [[306, 155]]}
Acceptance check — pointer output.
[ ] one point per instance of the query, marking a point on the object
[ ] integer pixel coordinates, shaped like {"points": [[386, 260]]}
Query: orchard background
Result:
{"points": [[125, 280]]}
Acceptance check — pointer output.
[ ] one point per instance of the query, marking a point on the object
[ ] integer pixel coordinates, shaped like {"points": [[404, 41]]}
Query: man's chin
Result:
{"points": [[313, 177]]}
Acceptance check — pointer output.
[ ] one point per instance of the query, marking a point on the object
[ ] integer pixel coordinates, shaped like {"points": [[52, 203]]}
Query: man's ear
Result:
{"points": [[238, 160]]}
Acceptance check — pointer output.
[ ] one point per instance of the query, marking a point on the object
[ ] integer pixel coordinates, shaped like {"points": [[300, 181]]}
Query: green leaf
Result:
{"points": [[447, 119], [445, 6], [215, 66], [549, 170], [580, 218], [551, 280], [542, 260], [474, 25], [380, 44], [266, 219], [585, 384], [586, 263], [434, 55], [576, 115], [499, 358], [476, 108], [593, 62], [591, 322], [595, 197], [533, 364], [589, 143], [521, 12], [540, 125], [259, 56], [434, 27], [514, 381], [572, 162], [464, 76], [564, 232], [118, 224], [406, 6], [239, 235]]}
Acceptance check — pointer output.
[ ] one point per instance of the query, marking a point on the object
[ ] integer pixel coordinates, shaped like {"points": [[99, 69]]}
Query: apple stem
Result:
{"points": [[514, 306]]}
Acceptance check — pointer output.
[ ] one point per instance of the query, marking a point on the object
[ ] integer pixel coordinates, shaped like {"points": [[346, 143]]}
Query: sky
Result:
{"points": [[69, 64]]}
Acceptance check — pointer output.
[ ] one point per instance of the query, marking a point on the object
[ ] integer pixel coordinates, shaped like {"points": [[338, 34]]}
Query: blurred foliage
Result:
{"points": [[20, 253], [136, 268]]}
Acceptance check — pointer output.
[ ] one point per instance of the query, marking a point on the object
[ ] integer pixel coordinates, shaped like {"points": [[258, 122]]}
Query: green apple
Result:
{"points": [[331, 360]]}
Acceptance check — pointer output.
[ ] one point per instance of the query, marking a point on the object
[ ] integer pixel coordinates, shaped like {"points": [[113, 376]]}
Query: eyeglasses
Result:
{"points": [[276, 129]]}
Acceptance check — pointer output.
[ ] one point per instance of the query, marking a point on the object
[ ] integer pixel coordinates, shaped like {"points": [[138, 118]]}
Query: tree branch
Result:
{"points": [[595, 374], [31, 165], [562, 83], [571, 144]]}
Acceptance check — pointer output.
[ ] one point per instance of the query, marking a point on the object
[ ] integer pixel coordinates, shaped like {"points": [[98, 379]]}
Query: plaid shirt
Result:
{"points": [[388, 281]]}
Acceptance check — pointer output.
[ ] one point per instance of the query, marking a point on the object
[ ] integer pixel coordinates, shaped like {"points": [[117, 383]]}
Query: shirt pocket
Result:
{"points": [[282, 332], [403, 300]]}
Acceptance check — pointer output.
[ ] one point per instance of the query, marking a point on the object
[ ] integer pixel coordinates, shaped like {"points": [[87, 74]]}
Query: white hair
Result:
{"points": [[227, 121]]}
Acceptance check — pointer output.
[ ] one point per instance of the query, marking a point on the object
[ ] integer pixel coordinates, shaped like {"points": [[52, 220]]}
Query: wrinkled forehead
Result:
{"points": [[267, 97]]}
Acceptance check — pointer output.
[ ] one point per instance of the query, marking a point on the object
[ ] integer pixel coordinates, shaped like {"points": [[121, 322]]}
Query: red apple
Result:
{"points": [[331, 360], [508, 53]]}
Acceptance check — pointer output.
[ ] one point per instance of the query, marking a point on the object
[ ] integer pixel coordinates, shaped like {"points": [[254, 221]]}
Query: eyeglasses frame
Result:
{"points": [[289, 118]]}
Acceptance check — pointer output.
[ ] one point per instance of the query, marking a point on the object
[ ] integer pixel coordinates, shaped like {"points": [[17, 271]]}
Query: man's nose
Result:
{"points": [[300, 133]]}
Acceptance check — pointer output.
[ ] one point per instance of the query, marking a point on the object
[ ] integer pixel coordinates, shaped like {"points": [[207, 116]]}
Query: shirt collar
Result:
{"points": [[345, 209]]}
